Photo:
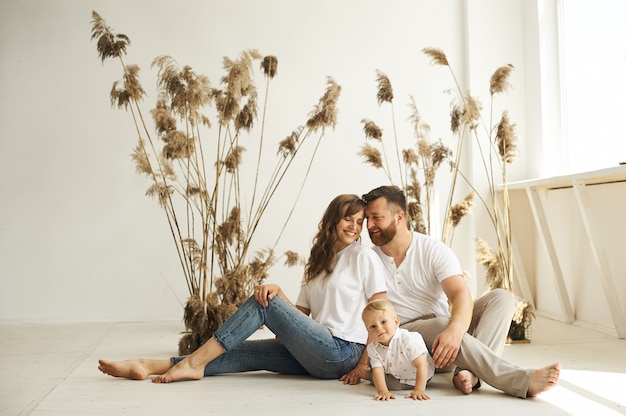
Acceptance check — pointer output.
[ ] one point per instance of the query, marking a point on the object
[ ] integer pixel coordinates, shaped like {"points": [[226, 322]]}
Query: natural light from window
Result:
{"points": [[594, 57]]}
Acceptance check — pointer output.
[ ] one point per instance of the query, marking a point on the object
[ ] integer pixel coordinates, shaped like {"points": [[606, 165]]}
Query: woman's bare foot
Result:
{"points": [[464, 381], [543, 379], [192, 366], [130, 369], [183, 370]]}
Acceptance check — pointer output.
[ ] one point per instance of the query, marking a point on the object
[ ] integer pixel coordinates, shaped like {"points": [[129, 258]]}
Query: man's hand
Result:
{"points": [[446, 347], [361, 371]]}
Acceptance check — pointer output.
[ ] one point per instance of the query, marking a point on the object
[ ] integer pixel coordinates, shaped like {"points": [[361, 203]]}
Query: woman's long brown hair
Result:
{"points": [[323, 254]]}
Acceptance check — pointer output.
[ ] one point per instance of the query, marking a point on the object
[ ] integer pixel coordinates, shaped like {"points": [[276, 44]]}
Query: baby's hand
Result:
{"points": [[417, 395], [384, 396]]}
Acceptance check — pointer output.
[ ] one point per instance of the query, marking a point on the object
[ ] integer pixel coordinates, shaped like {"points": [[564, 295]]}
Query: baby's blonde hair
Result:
{"points": [[379, 305]]}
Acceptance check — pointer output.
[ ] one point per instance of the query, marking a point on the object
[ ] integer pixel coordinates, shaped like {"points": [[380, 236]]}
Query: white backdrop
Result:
{"points": [[79, 241]]}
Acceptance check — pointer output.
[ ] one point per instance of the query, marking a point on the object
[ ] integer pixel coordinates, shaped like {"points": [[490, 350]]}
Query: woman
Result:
{"points": [[322, 335]]}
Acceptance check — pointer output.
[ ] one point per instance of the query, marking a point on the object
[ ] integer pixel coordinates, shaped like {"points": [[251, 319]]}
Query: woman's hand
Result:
{"points": [[263, 293], [361, 371]]}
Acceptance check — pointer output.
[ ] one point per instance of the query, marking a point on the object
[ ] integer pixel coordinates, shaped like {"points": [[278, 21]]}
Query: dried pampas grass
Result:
{"points": [[493, 147], [202, 201]]}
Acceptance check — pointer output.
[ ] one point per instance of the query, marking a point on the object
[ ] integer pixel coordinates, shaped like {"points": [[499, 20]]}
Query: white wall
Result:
{"points": [[79, 241]]}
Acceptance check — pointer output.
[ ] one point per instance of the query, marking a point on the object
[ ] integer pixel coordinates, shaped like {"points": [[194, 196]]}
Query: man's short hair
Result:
{"points": [[391, 193]]}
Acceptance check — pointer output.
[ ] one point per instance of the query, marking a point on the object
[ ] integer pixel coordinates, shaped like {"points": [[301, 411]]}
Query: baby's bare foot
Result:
{"points": [[543, 379], [464, 381], [130, 369], [181, 371]]}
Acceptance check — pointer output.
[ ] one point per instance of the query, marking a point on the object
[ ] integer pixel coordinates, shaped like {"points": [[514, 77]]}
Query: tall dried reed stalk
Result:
{"points": [[197, 180], [417, 166], [497, 147]]}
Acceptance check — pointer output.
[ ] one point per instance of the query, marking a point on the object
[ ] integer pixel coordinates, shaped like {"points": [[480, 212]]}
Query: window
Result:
{"points": [[594, 58]]}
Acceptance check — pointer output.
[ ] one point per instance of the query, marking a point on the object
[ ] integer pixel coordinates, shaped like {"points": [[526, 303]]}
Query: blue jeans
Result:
{"points": [[301, 346]]}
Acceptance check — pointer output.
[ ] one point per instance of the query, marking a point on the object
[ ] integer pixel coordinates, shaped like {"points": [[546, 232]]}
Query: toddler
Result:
{"points": [[398, 358]]}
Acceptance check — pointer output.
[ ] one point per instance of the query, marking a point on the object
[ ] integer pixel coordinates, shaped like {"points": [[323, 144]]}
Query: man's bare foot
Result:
{"points": [[183, 370], [130, 369], [464, 381], [543, 379]]}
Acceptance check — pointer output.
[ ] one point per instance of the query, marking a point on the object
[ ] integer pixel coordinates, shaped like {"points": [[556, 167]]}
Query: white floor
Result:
{"points": [[51, 370]]}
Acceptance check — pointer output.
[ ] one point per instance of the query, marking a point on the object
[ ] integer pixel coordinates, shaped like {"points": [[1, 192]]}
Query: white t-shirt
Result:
{"points": [[415, 286], [337, 300], [397, 359]]}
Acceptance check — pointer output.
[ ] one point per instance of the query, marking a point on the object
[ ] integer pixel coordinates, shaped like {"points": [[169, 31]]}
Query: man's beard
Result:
{"points": [[384, 235]]}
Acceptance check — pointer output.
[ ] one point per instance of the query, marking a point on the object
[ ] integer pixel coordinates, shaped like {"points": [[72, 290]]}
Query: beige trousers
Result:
{"points": [[483, 344]]}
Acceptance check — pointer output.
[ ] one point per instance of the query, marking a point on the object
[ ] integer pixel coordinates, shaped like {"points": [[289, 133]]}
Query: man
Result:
{"points": [[423, 278]]}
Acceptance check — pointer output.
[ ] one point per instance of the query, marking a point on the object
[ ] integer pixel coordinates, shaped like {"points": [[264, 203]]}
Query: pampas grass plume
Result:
{"points": [[499, 81], [506, 139], [269, 65], [437, 56], [458, 211], [371, 156], [385, 91]]}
